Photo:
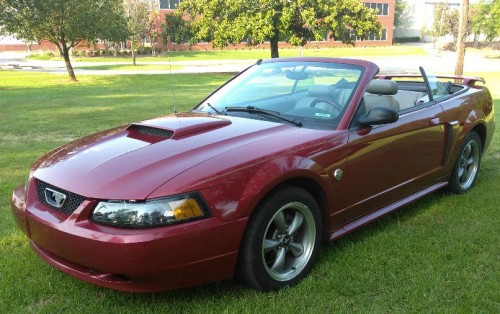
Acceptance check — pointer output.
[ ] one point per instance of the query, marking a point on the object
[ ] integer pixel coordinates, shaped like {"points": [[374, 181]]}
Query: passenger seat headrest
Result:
{"points": [[326, 91], [382, 87]]}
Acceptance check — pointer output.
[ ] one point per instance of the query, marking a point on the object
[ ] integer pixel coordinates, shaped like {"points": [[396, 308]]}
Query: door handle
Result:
{"points": [[434, 121]]}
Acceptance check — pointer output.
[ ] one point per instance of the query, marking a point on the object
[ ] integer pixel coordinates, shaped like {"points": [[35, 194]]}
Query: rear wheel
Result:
{"points": [[282, 240], [467, 164]]}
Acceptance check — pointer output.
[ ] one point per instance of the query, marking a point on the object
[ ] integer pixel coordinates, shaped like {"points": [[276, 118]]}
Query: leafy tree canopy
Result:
{"points": [[65, 23], [445, 21], [403, 15], [486, 19], [224, 22], [176, 29], [137, 15]]}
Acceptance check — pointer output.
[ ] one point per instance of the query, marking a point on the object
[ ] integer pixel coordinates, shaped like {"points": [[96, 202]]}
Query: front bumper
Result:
{"points": [[138, 260]]}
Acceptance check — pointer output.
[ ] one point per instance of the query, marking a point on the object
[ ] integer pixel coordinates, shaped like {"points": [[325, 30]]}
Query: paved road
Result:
{"points": [[443, 62]]}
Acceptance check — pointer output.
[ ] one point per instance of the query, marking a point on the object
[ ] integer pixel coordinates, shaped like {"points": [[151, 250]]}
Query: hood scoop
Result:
{"points": [[153, 131], [174, 127], [193, 127], [148, 133]]}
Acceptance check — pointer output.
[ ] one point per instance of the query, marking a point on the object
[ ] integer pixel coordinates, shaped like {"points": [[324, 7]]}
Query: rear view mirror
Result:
{"points": [[296, 75], [379, 115]]}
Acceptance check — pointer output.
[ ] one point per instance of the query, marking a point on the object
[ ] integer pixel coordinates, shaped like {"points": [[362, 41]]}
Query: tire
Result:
{"points": [[282, 240], [467, 165]]}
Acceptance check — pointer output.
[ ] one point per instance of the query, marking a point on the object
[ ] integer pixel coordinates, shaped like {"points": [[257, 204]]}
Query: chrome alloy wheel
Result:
{"points": [[288, 241], [468, 164]]}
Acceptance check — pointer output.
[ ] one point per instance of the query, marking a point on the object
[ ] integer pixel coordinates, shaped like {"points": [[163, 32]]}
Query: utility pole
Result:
{"points": [[462, 33]]}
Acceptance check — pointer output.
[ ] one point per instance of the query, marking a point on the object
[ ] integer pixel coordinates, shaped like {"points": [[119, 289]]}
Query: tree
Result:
{"points": [[224, 22], [403, 15], [462, 33], [152, 30], [445, 21], [485, 21], [175, 29], [65, 23], [137, 16]]}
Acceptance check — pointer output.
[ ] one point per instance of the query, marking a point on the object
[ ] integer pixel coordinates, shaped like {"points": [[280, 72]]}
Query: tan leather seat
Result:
{"points": [[325, 92], [380, 93]]}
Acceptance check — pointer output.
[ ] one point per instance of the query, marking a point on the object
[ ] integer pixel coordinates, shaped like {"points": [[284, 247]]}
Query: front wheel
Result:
{"points": [[467, 165], [282, 240]]}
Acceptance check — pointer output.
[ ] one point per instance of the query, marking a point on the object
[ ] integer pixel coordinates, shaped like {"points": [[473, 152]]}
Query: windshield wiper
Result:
{"points": [[271, 113], [214, 109]]}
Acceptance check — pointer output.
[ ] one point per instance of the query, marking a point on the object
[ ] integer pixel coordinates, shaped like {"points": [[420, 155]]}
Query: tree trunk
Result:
{"points": [[153, 48], [132, 48], [274, 47], [462, 33], [64, 50]]}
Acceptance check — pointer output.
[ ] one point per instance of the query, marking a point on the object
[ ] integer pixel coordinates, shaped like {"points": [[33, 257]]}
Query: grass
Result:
{"points": [[260, 53], [440, 254]]}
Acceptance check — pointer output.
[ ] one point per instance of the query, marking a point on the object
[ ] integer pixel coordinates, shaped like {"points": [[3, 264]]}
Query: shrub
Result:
{"points": [[400, 40]]}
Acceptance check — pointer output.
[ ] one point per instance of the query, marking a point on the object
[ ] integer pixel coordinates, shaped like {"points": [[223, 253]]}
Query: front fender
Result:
{"points": [[275, 173]]}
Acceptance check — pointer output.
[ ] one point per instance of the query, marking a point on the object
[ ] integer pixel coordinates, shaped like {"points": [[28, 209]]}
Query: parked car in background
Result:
{"points": [[288, 153]]}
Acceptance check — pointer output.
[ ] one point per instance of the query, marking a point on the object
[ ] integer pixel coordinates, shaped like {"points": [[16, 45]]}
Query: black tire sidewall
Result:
{"points": [[454, 186], [251, 269]]}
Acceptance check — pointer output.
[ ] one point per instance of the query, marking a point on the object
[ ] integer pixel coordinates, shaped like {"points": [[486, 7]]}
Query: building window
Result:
{"points": [[169, 4], [372, 37], [379, 8]]}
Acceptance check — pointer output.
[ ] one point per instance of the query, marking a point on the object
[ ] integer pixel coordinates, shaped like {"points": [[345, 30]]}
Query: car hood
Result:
{"points": [[131, 162]]}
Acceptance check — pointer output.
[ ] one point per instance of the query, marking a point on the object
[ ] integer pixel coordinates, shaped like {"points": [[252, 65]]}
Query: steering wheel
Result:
{"points": [[337, 107]]}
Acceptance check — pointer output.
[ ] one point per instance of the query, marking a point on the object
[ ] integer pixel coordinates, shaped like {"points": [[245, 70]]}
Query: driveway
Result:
{"points": [[437, 62]]}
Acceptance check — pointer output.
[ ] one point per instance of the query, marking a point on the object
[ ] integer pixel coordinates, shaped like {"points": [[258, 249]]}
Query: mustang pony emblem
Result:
{"points": [[55, 198]]}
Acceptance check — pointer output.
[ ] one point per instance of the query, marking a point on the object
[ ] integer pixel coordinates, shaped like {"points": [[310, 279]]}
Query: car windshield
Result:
{"points": [[308, 94]]}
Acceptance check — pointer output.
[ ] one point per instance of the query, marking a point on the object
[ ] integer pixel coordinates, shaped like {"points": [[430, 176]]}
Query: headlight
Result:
{"points": [[28, 180], [153, 213]]}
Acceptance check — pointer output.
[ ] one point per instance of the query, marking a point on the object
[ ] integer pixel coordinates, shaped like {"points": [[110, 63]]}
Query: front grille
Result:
{"points": [[153, 131], [70, 205]]}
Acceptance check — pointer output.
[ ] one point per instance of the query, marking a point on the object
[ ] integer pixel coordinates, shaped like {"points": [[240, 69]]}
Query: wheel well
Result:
{"points": [[313, 188], [480, 129]]}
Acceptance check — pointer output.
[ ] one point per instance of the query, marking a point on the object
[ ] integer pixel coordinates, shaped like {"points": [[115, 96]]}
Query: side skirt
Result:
{"points": [[350, 227]]}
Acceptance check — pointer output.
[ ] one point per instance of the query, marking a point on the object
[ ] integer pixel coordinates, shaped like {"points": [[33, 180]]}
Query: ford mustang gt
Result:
{"points": [[287, 154]]}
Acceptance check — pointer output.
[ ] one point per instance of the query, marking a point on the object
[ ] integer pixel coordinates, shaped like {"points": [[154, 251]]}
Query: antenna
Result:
{"points": [[173, 92], [173, 97]]}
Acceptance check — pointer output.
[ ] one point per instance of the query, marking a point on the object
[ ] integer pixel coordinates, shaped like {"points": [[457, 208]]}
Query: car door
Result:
{"points": [[386, 163]]}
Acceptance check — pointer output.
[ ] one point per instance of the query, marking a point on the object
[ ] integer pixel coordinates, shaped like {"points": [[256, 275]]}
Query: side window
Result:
{"points": [[439, 89]]}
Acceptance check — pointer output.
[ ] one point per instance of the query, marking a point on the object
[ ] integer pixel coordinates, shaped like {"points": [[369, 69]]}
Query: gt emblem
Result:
{"points": [[338, 174], [54, 198]]}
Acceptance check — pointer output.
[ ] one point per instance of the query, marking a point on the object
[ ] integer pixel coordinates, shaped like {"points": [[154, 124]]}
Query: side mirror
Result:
{"points": [[378, 115]]}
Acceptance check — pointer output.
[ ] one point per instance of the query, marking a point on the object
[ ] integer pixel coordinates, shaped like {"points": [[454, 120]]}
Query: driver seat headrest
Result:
{"points": [[382, 87], [323, 91]]}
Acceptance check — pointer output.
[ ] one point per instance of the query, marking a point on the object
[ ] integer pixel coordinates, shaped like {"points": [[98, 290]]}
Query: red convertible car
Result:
{"points": [[287, 154]]}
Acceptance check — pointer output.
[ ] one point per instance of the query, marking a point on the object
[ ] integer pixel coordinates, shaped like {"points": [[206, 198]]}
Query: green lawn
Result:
{"points": [[259, 53], [440, 254]]}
